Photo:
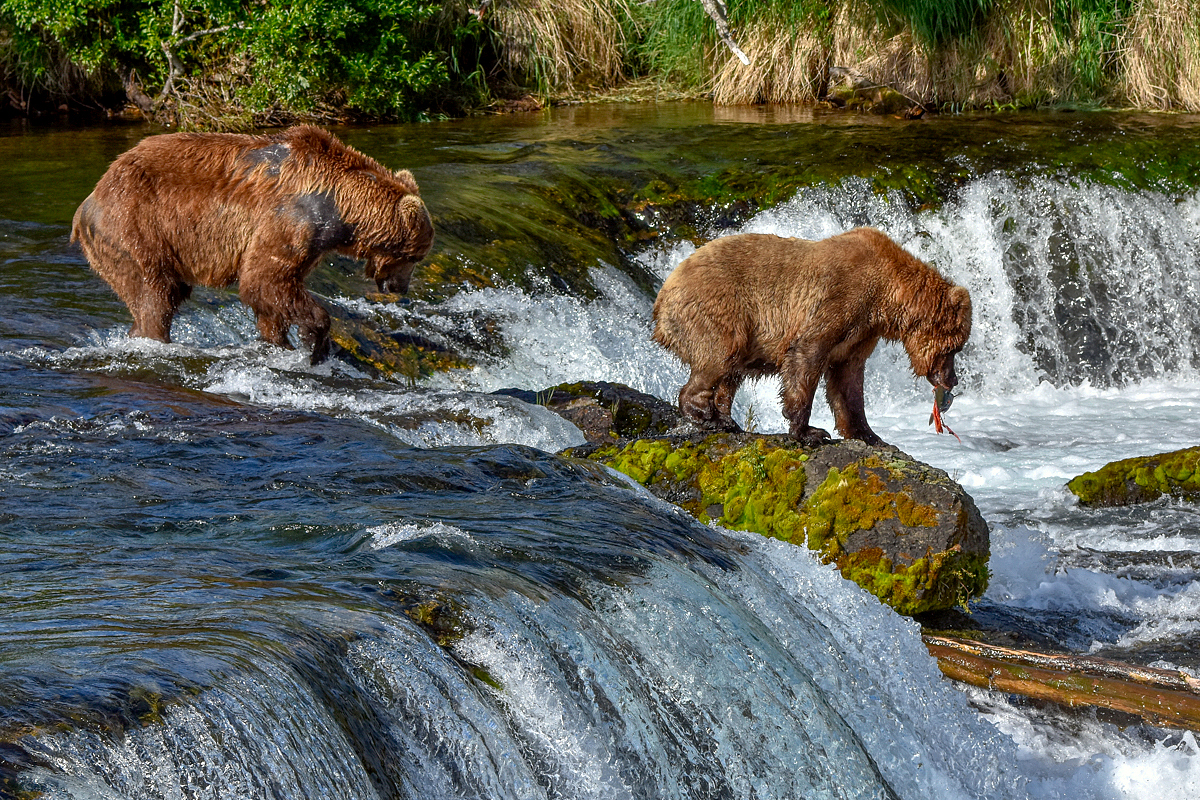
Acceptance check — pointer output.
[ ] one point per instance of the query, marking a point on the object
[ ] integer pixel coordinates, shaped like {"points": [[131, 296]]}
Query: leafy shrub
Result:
{"points": [[322, 58]]}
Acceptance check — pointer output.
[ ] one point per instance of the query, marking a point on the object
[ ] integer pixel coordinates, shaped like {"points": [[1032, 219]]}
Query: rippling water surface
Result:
{"points": [[227, 574]]}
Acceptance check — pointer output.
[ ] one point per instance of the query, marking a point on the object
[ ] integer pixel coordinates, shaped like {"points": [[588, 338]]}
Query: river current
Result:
{"points": [[227, 574]]}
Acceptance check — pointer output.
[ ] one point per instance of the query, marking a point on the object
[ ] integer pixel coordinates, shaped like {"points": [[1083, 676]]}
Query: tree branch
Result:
{"points": [[717, 11], [1160, 696]]}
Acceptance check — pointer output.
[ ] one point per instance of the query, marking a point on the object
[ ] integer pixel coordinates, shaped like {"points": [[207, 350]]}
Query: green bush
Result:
{"points": [[321, 58], [935, 22], [367, 54]]}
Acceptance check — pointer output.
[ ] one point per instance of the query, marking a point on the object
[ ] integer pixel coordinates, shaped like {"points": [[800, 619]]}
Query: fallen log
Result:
{"points": [[1159, 696]]}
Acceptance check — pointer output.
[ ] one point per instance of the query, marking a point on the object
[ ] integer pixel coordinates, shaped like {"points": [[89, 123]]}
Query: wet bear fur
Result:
{"points": [[215, 209], [755, 304]]}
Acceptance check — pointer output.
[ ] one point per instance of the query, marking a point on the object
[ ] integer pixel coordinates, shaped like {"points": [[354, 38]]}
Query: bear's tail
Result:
{"points": [[82, 222]]}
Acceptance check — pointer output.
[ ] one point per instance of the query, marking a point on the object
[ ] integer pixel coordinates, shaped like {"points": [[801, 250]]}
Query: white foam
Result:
{"points": [[392, 533], [555, 339]]}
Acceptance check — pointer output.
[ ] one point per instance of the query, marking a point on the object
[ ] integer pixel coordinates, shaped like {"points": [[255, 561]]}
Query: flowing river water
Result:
{"points": [[227, 574]]}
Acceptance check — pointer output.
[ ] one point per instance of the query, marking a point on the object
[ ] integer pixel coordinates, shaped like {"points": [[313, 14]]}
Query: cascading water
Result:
{"points": [[228, 574]]}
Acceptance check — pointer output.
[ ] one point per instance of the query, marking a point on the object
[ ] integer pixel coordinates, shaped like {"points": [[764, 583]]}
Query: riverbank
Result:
{"points": [[217, 65]]}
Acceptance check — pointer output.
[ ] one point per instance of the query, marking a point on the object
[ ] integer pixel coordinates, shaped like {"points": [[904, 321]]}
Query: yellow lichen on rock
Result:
{"points": [[865, 515]]}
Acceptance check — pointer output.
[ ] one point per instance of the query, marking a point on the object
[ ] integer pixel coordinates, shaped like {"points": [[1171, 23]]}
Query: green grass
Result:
{"points": [[254, 62]]}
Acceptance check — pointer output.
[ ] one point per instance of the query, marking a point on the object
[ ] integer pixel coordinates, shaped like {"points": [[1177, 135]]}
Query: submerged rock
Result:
{"points": [[1140, 480], [386, 346], [899, 528]]}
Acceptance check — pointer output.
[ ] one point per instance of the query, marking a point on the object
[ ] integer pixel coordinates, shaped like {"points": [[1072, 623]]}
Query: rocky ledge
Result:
{"points": [[1140, 480], [901, 529]]}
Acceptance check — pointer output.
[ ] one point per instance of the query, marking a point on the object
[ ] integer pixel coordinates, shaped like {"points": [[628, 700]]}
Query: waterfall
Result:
{"points": [[215, 599], [1072, 282], [742, 669]]}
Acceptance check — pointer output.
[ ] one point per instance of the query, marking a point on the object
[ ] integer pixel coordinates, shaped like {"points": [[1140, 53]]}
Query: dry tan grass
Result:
{"points": [[562, 42], [870, 54], [1160, 53], [1021, 54], [1016, 56], [786, 66]]}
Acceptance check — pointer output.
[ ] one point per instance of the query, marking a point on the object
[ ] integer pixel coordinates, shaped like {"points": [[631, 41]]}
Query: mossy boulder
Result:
{"points": [[377, 343], [899, 528], [1141, 479]]}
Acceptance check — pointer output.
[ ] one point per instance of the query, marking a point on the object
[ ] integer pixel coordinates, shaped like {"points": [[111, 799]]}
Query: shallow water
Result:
{"points": [[228, 574]]}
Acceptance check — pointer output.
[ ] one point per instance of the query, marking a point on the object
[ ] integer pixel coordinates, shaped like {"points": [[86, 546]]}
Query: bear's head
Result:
{"points": [[391, 263], [934, 344]]}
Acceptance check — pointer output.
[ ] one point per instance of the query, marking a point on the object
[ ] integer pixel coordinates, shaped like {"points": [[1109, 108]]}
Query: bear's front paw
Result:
{"points": [[320, 350], [723, 424]]}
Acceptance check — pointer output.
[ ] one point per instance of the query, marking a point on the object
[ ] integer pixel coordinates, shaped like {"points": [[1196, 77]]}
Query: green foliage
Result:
{"points": [[372, 58], [935, 22], [1093, 28], [223, 62], [673, 37], [303, 54]]}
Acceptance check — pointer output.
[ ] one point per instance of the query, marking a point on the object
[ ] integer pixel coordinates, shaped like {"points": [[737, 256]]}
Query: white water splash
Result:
{"points": [[392, 533]]}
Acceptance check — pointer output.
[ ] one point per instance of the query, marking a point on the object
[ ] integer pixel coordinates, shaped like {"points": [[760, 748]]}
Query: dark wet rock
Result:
{"points": [[393, 343], [605, 412], [1140, 480]]}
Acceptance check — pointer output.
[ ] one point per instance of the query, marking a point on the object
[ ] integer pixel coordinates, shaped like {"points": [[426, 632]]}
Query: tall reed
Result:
{"points": [[956, 54], [557, 44], [1160, 51]]}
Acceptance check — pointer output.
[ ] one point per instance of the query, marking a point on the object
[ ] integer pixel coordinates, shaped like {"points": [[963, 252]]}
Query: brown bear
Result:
{"points": [[213, 209], [755, 304]]}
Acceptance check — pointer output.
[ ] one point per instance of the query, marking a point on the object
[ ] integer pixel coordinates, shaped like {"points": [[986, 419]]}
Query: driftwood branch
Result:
{"points": [[1159, 696], [717, 12]]}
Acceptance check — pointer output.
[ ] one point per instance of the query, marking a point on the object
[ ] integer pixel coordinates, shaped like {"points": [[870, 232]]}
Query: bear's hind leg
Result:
{"points": [[844, 390], [154, 309], [151, 297]]}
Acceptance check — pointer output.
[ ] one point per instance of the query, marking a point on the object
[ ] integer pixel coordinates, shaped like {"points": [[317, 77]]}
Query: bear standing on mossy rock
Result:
{"points": [[756, 304], [214, 209]]}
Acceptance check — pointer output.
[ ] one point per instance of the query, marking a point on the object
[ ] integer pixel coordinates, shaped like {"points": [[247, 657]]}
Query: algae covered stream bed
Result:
{"points": [[226, 573]]}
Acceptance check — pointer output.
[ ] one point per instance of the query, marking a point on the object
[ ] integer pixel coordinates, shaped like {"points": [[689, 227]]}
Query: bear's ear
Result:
{"points": [[414, 219], [405, 178], [960, 302]]}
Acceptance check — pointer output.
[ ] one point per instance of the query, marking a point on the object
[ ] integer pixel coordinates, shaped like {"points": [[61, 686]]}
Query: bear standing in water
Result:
{"points": [[756, 304], [213, 209]]}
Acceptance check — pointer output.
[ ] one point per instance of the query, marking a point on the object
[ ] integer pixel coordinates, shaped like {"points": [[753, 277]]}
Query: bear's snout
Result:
{"points": [[944, 375], [394, 284]]}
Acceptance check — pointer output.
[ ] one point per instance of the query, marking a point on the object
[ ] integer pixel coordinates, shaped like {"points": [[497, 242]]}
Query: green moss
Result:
{"points": [[757, 488], [1141, 479], [937, 581], [10, 788], [146, 705], [390, 358], [856, 499], [641, 460], [443, 620], [760, 486]]}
